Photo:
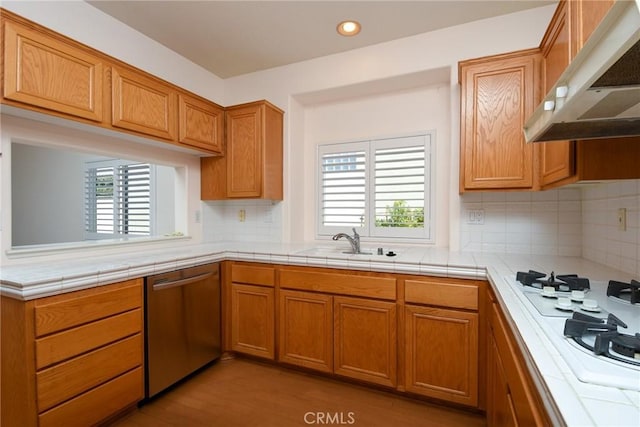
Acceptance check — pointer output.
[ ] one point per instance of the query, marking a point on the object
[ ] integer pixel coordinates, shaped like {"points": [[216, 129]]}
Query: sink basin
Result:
{"points": [[332, 251]]}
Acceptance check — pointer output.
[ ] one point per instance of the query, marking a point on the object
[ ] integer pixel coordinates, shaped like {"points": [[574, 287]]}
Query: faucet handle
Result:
{"points": [[355, 233]]}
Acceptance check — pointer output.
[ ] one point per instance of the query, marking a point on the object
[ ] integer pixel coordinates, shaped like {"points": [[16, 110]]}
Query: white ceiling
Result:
{"points": [[230, 38]]}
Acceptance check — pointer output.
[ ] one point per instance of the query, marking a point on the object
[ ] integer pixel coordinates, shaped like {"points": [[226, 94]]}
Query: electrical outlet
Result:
{"points": [[242, 215], [197, 217], [622, 219], [476, 216]]}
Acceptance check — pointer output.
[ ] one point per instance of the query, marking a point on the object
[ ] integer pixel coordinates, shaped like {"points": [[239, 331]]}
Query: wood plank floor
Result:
{"points": [[241, 392]]}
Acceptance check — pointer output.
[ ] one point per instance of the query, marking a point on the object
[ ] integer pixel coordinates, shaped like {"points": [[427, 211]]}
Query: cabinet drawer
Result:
{"points": [[68, 379], [336, 283], [61, 312], [72, 342], [253, 275], [442, 292], [97, 404]]}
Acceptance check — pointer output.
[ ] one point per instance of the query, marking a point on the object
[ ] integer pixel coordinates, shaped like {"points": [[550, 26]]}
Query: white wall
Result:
{"points": [[377, 116], [404, 64]]}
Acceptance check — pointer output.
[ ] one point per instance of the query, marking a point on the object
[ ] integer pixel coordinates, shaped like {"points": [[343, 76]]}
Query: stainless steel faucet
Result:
{"points": [[354, 241]]}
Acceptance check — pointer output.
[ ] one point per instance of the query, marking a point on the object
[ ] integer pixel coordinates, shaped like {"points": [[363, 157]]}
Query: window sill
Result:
{"points": [[61, 248]]}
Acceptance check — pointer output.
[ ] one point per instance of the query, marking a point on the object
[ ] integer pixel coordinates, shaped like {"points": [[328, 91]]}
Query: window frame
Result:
{"points": [[369, 231]]}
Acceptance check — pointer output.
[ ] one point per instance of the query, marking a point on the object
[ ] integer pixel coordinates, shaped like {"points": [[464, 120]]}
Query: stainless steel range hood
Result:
{"points": [[598, 95]]}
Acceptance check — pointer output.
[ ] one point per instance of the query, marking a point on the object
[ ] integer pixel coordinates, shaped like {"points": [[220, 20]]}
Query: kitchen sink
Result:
{"points": [[332, 251], [339, 251]]}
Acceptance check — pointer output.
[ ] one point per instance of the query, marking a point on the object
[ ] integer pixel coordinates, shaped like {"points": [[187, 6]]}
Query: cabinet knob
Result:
{"points": [[549, 105], [562, 91]]}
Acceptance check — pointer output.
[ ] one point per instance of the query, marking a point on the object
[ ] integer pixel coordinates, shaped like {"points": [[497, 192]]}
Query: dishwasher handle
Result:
{"points": [[182, 282]]}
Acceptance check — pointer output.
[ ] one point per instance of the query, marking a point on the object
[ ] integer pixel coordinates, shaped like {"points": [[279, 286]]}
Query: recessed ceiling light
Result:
{"points": [[348, 28]]}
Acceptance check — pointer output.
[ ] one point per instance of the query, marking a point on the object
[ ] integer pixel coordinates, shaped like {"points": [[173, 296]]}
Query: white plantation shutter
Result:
{"points": [[400, 181], [343, 189], [118, 199], [381, 187]]}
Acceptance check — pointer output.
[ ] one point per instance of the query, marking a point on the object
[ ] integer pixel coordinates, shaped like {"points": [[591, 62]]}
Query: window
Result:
{"points": [[118, 199], [381, 187]]}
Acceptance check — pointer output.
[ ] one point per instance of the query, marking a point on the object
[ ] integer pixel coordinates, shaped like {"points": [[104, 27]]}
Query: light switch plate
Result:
{"points": [[622, 219]]}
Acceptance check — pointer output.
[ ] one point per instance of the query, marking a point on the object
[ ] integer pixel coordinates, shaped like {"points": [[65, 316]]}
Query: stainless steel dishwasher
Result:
{"points": [[182, 321]]}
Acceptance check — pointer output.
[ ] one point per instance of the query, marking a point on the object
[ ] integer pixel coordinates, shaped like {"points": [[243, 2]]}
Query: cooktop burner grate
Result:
{"points": [[602, 337], [561, 282], [629, 292]]}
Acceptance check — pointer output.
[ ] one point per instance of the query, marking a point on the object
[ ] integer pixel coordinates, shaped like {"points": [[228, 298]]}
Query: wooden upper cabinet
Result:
{"points": [[586, 15], [498, 94], [556, 158], [245, 152], [252, 165], [51, 73], [201, 124], [142, 104], [565, 162]]}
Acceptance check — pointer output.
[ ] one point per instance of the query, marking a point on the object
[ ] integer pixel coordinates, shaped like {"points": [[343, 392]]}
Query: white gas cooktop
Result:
{"points": [[587, 366]]}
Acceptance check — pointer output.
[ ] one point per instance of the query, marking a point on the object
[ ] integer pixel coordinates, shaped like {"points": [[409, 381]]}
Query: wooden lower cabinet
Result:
{"points": [[512, 398], [365, 345], [306, 330], [441, 338], [253, 320], [441, 358], [500, 408], [74, 359]]}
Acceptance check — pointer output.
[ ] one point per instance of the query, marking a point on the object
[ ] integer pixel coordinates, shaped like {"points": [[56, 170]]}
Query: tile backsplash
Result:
{"points": [[576, 221], [602, 240], [545, 222], [262, 221]]}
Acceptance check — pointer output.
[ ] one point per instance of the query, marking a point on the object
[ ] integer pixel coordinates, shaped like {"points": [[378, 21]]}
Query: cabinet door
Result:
{"points": [[442, 353], [306, 330], [253, 320], [557, 160], [500, 409], [201, 124], [586, 15], [143, 105], [51, 74], [523, 401], [365, 340], [497, 95], [244, 151]]}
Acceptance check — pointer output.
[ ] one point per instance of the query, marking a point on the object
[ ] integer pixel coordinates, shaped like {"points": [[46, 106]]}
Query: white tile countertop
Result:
{"points": [[577, 403]]}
